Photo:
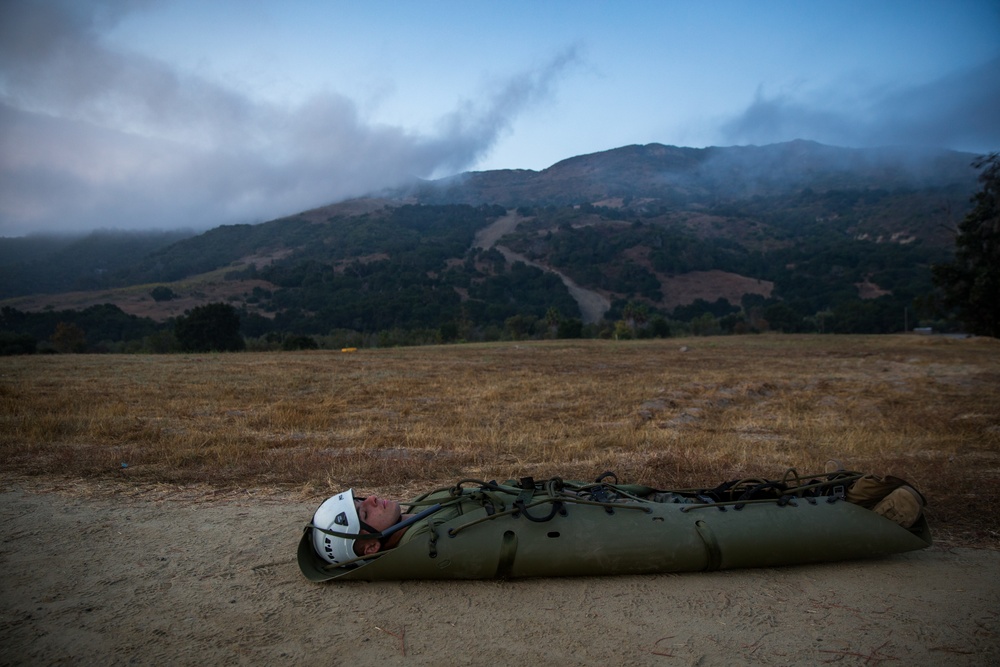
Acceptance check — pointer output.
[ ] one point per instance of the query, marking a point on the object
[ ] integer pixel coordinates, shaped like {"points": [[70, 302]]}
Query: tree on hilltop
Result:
{"points": [[971, 283]]}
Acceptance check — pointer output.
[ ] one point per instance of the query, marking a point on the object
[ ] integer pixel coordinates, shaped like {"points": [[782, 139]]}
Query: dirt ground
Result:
{"points": [[185, 577]]}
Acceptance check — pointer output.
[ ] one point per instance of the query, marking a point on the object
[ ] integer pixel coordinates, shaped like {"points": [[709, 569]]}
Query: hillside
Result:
{"points": [[796, 236], [676, 176]]}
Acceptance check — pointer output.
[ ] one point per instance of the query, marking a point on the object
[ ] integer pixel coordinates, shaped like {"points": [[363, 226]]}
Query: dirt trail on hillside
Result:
{"points": [[488, 236], [184, 578], [592, 304]]}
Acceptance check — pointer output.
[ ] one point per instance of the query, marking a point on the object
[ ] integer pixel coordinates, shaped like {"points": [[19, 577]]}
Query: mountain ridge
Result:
{"points": [[809, 227], [680, 174]]}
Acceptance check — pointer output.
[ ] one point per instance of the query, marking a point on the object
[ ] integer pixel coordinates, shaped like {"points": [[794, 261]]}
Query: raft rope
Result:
{"points": [[452, 532], [489, 493], [558, 497], [837, 481]]}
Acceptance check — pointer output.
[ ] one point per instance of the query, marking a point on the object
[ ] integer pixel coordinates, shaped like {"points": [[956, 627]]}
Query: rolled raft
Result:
{"points": [[557, 528]]}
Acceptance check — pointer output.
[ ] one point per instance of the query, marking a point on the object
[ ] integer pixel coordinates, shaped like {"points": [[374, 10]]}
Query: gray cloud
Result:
{"points": [[93, 137], [959, 111]]}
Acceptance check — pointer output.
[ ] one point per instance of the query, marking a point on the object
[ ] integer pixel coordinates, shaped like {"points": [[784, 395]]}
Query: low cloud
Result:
{"points": [[94, 137], [959, 111]]}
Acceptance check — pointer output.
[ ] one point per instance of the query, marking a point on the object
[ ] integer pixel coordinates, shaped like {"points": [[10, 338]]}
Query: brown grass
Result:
{"points": [[671, 413]]}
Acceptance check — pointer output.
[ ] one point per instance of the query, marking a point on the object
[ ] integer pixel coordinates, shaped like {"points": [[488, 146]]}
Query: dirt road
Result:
{"points": [[187, 578]]}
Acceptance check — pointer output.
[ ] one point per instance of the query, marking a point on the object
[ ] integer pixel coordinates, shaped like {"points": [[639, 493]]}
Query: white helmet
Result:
{"points": [[337, 513]]}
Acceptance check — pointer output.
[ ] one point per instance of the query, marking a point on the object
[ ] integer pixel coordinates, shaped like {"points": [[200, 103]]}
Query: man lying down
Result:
{"points": [[477, 529]]}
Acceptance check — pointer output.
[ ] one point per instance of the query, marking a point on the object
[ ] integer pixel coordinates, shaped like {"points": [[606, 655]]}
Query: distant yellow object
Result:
{"points": [[348, 349]]}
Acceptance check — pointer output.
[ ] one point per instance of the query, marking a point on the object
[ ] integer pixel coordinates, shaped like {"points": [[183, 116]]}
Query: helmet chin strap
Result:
{"points": [[367, 526], [375, 534]]}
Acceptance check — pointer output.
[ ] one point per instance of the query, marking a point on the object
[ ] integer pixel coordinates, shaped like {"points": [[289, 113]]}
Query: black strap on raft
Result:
{"points": [[605, 475], [557, 508], [527, 486], [787, 500], [749, 494], [718, 494], [409, 521], [711, 500], [603, 493]]}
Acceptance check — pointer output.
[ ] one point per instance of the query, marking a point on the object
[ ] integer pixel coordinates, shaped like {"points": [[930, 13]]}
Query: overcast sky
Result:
{"points": [[135, 114]]}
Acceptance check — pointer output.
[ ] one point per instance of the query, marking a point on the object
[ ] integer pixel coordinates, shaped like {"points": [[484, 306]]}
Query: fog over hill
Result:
{"points": [[143, 114], [782, 236], [687, 175]]}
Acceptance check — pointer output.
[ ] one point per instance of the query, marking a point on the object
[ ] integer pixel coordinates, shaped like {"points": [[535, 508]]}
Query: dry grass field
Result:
{"points": [[669, 413]]}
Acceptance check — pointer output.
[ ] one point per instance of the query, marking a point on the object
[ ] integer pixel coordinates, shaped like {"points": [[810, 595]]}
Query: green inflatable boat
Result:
{"points": [[485, 530]]}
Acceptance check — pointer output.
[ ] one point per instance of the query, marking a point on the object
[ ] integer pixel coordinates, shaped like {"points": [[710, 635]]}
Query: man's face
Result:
{"points": [[377, 512]]}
